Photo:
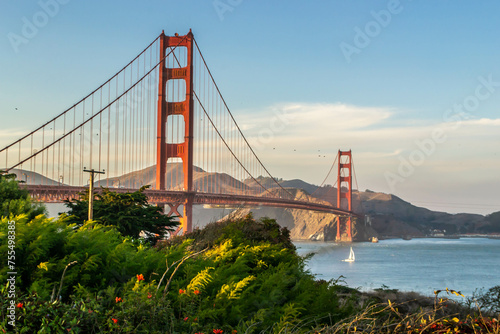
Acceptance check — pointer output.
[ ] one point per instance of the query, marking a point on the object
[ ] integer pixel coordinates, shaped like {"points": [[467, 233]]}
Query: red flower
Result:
{"points": [[186, 318], [20, 305], [149, 295], [181, 291], [118, 300], [196, 292], [218, 331], [114, 320], [140, 278], [234, 331]]}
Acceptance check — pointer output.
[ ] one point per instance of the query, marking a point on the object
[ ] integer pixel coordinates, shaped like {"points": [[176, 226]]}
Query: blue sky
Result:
{"points": [[414, 61]]}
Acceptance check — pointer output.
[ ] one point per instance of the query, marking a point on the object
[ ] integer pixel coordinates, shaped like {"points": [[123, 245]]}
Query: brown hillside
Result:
{"points": [[389, 215]]}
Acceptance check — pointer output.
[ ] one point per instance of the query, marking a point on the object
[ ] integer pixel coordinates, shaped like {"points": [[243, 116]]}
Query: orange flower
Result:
{"points": [[114, 320], [181, 291], [186, 318], [218, 331], [149, 295], [20, 305], [140, 278], [118, 300], [196, 292], [234, 331]]}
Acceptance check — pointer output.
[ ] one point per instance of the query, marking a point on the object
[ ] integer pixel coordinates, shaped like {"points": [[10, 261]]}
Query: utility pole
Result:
{"points": [[91, 190]]}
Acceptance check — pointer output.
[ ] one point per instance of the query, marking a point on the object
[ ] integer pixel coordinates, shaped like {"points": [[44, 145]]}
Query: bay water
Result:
{"points": [[420, 265]]}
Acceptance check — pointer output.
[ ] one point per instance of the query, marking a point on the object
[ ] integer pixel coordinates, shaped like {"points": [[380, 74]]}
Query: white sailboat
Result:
{"points": [[351, 257]]}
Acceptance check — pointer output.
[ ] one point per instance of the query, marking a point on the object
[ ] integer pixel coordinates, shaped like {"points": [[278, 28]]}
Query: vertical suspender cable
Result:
{"points": [[43, 155], [82, 145], [53, 150], [92, 134], [100, 133], [108, 146]]}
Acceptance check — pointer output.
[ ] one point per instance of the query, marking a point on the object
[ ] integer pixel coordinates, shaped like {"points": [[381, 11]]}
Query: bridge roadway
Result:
{"points": [[56, 194]]}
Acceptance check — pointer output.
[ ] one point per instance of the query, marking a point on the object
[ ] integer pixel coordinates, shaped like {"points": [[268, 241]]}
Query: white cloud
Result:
{"points": [[303, 144], [8, 136]]}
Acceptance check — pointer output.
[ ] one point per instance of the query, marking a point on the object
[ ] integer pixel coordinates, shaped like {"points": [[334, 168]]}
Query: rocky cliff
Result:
{"points": [[386, 215]]}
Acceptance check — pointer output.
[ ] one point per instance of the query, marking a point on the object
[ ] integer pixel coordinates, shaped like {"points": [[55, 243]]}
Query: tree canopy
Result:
{"points": [[493, 225], [15, 200], [129, 212]]}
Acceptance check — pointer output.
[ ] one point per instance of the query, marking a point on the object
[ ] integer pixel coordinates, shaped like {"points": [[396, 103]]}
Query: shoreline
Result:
{"points": [[409, 238]]}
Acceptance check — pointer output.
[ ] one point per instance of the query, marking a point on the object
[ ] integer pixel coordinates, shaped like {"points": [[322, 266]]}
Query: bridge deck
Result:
{"points": [[56, 194]]}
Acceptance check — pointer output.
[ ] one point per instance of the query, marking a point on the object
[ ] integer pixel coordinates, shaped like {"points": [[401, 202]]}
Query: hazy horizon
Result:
{"points": [[412, 88]]}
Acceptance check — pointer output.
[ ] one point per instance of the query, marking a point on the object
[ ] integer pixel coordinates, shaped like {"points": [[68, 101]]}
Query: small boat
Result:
{"points": [[351, 257]]}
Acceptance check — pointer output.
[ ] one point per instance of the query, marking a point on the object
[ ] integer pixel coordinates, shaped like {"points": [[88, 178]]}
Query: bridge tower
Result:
{"points": [[185, 108], [344, 181]]}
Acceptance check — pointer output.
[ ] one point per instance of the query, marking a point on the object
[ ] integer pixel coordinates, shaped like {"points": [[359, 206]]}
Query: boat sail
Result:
{"points": [[351, 257]]}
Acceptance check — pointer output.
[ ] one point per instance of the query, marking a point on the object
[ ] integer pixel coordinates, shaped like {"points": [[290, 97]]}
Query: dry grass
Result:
{"points": [[406, 313], [389, 318]]}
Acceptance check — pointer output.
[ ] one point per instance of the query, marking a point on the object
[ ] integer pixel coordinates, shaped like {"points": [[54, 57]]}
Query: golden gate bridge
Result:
{"points": [[161, 121]]}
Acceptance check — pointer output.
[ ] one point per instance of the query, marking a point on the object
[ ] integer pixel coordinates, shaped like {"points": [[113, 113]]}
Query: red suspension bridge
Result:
{"points": [[161, 121]]}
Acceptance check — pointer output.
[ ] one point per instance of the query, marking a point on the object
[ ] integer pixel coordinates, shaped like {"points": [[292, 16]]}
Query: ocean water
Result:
{"points": [[420, 265]]}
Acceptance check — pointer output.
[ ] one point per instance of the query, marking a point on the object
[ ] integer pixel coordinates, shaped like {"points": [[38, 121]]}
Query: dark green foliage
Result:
{"points": [[489, 300], [493, 225], [245, 230], [241, 275], [37, 241], [14, 200], [249, 279], [89, 315], [44, 247], [129, 212], [253, 277]]}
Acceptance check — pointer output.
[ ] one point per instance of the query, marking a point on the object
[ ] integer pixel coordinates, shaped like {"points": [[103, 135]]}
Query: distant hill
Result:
{"points": [[212, 182], [34, 178], [388, 215]]}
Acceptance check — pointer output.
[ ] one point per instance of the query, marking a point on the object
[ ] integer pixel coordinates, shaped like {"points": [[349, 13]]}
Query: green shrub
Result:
{"points": [[242, 275]]}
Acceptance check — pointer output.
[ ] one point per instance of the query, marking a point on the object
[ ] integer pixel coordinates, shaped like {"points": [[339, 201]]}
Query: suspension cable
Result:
{"points": [[327, 175], [98, 113], [53, 119], [230, 114], [225, 143], [354, 173]]}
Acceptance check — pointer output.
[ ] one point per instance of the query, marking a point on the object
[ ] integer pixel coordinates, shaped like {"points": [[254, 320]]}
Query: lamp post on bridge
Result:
{"points": [[91, 189]]}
